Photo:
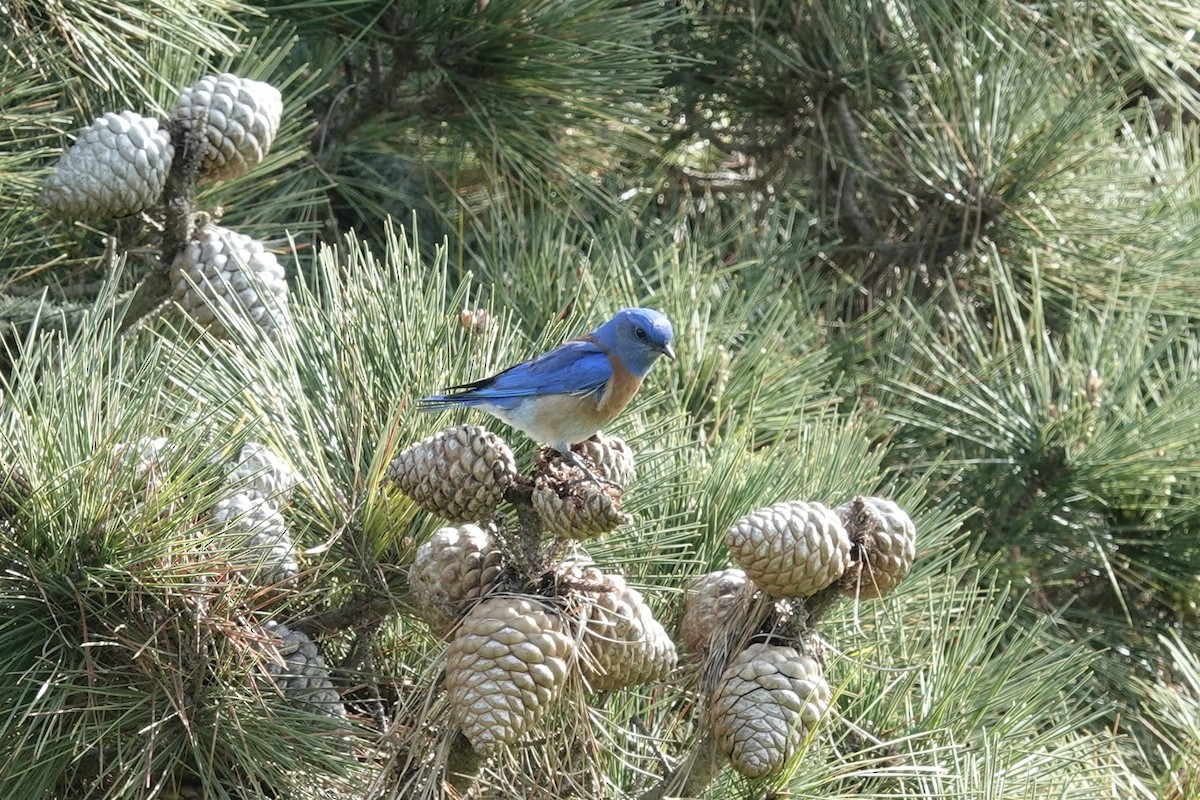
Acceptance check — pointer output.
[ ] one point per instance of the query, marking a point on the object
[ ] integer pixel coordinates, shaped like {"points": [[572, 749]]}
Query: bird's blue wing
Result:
{"points": [[577, 367]]}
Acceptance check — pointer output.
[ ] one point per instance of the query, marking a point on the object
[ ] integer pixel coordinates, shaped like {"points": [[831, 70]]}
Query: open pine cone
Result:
{"points": [[573, 505], [610, 458], [885, 545]]}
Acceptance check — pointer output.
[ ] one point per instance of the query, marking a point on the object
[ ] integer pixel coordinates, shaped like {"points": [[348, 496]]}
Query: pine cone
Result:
{"points": [[709, 600], [453, 569], [117, 167], [610, 457], [572, 505], [298, 669], [241, 118], [791, 549], [508, 663], [460, 473], [223, 274], [885, 545], [623, 644], [767, 701], [259, 470], [147, 451], [264, 542], [146, 457]]}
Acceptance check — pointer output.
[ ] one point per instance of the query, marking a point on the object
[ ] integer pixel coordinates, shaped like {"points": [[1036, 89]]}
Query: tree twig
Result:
{"points": [[362, 611], [693, 776]]}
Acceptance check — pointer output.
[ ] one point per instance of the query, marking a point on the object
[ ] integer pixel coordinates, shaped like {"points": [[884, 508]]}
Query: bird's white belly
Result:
{"points": [[557, 420]]}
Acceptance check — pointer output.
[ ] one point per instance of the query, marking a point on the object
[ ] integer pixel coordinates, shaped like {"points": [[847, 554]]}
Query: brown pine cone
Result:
{"points": [[573, 505], [505, 667], [610, 457], [459, 473], [791, 549], [709, 600], [451, 571], [768, 699], [623, 643], [885, 545]]}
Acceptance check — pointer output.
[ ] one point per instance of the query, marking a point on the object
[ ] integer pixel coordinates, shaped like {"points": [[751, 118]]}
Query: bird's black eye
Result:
{"points": [[639, 332]]}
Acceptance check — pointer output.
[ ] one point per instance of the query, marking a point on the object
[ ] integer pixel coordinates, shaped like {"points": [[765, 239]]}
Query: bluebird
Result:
{"points": [[567, 395]]}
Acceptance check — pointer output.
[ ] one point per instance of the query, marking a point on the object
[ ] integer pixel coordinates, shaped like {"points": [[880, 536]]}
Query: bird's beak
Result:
{"points": [[668, 351]]}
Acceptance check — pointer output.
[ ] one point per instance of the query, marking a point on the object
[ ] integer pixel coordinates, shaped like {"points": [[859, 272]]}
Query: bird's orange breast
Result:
{"points": [[620, 390]]}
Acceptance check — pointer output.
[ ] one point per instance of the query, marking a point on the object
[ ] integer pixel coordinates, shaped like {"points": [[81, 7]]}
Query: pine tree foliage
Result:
{"points": [[335, 426], [921, 135], [935, 251], [1080, 443], [1171, 713], [132, 661]]}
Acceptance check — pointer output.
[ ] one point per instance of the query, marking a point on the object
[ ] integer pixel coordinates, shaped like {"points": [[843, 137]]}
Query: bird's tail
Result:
{"points": [[461, 395], [437, 402]]}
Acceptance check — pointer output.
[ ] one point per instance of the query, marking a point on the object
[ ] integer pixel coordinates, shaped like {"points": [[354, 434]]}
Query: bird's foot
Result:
{"points": [[572, 458]]}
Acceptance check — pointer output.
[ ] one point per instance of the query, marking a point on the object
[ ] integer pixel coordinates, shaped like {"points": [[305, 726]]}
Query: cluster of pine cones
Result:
{"points": [[513, 651], [248, 523], [771, 694], [219, 128], [461, 474], [515, 644], [515, 648]]}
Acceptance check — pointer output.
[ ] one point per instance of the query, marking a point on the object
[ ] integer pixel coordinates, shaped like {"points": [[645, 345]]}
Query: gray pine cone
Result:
{"points": [[459, 473], [296, 666], [451, 571], [241, 118], [259, 470], [117, 167], [768, 699], [223, 275], [145, 456], [262, 542], [791, 549]]}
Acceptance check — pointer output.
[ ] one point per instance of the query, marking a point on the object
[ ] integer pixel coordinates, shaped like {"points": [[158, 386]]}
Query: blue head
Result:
{"points": [[637, 336]]}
